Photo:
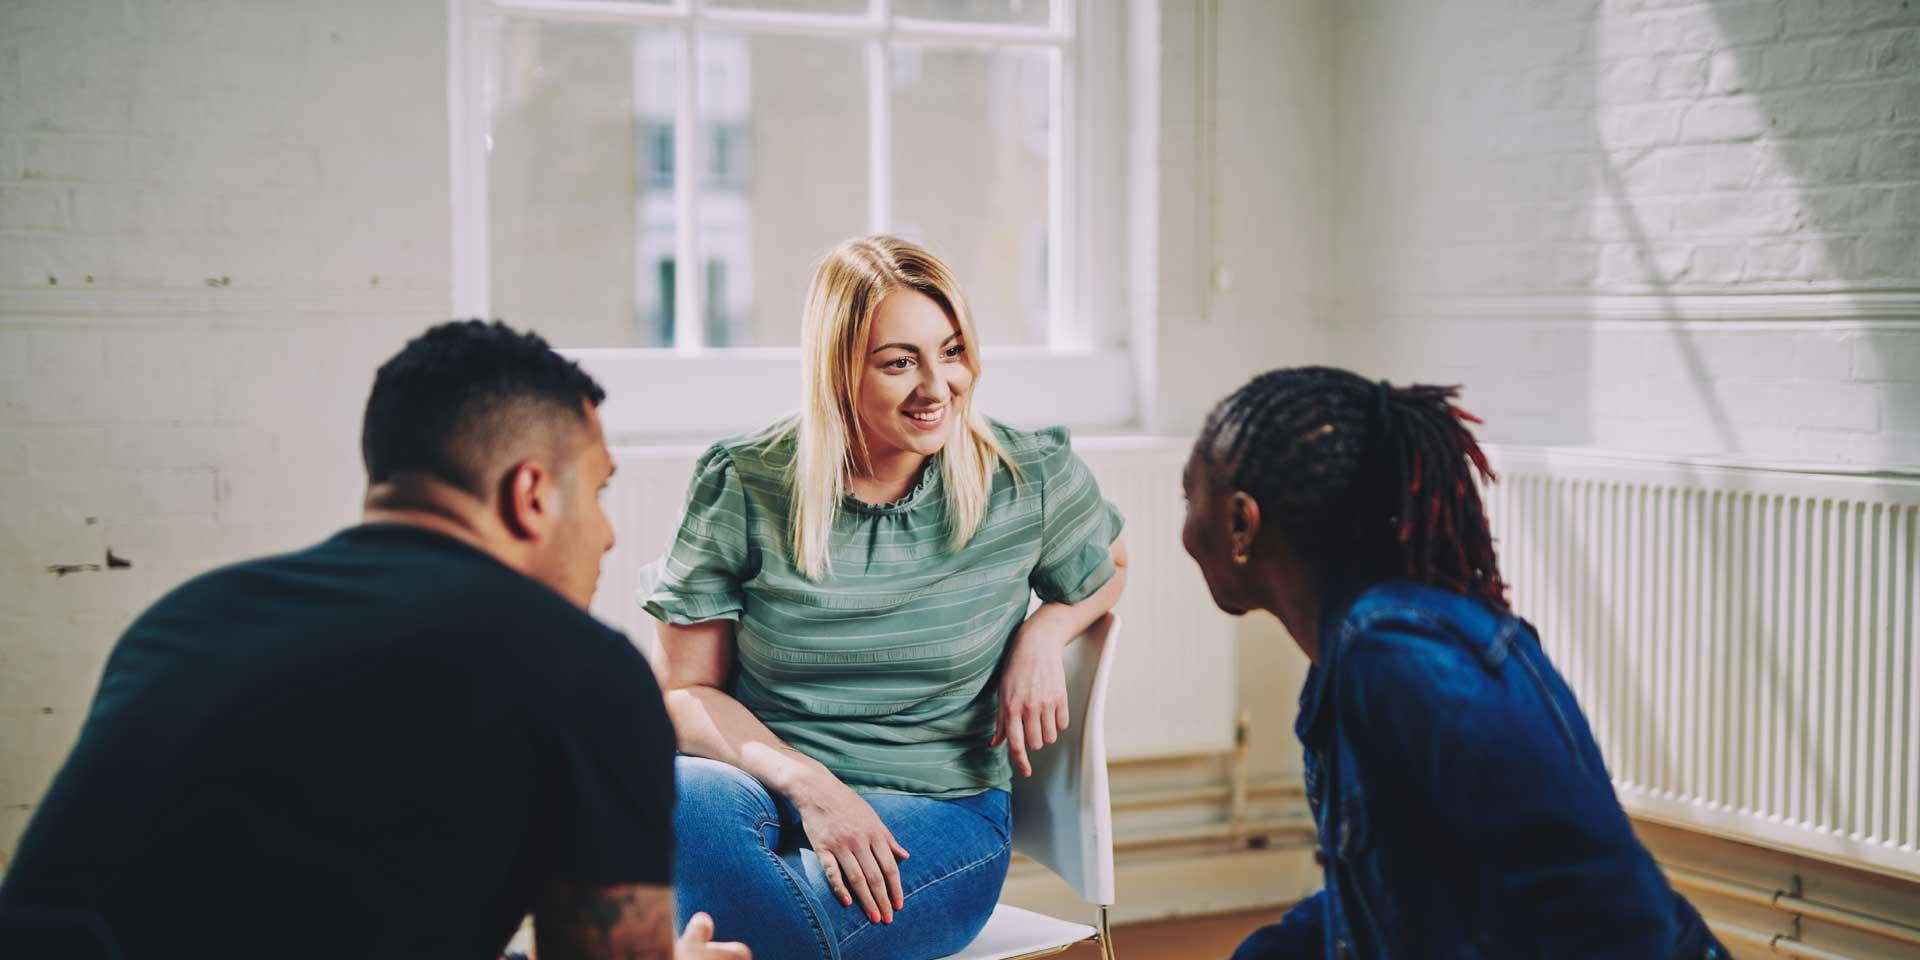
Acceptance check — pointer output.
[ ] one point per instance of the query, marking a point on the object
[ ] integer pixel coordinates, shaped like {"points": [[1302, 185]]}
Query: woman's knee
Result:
{"points": [[727, 828], [711, 795], [943, 912]]}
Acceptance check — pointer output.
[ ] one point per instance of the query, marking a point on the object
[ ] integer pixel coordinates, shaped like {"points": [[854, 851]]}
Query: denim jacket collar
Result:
{"points": [[1489, 633], [1309, 725]]}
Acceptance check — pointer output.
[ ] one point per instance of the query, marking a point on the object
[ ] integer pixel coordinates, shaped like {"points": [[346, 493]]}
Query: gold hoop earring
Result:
{"points": [[1240, 559]]}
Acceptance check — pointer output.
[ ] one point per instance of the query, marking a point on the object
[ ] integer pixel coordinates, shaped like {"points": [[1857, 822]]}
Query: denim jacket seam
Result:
{"points": [[1559, 715], [1502, 646], [1491, 655], [1369, 619]]}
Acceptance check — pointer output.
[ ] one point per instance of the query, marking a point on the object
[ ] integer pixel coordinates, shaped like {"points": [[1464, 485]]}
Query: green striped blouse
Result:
{"points": [[886, 671]]}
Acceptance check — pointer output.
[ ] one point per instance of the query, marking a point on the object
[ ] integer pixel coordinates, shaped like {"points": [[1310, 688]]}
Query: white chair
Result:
{"points": [[1062, 818]]}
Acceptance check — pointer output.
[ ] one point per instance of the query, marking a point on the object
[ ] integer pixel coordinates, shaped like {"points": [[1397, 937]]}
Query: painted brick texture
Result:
{"points": [[290, 154], [1617, 154]]}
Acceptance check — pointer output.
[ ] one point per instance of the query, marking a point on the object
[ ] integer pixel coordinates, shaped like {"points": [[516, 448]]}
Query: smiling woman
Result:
{"points": [[845, 630], [885, 348], [919, 376]]}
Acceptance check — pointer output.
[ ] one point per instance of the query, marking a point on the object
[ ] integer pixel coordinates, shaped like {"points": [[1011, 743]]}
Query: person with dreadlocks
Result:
{"points": [[1463, 807]]}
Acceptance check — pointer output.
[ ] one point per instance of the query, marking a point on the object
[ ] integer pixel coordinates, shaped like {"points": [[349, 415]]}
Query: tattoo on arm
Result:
{"points": [[622, 922]]}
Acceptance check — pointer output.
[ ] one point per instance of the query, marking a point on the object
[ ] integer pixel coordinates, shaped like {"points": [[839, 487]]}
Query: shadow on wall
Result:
{"points": [[1464, 138], [1755, 148], [1509, 172], [1776, 169]]}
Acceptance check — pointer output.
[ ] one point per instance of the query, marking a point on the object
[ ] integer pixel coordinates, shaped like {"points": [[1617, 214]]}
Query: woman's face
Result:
{"points": [[1218, 527], [916, 377]]}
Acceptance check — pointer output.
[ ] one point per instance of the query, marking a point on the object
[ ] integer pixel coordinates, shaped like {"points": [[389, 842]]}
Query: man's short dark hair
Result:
{"points": [[459, 398]]}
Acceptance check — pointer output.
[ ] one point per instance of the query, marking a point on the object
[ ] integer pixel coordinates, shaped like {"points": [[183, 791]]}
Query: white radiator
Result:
{"points": [[1742, 640], [1173, 683]]}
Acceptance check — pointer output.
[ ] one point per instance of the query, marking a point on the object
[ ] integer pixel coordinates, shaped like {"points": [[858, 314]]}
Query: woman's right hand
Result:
{"points": [[857, 852]]}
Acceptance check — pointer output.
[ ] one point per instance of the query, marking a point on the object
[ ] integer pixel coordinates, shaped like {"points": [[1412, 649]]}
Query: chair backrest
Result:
{"points": [[1062, 815]]}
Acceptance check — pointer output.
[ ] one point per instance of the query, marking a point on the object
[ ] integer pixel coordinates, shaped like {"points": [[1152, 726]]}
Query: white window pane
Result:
{"points": [[783, 175], [970, 141], [838, 7], [580, 183], [1032, 13]]}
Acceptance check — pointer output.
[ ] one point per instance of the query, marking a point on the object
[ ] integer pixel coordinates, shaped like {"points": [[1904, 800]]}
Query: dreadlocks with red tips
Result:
{"points": [[1367, 480]]}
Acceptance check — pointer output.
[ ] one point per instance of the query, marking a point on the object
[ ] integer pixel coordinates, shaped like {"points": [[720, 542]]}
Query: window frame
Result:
{"points": [[1084, 375]]}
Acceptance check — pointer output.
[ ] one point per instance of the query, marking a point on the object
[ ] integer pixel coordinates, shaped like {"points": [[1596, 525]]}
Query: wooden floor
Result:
{"points": [[1188, 938]]}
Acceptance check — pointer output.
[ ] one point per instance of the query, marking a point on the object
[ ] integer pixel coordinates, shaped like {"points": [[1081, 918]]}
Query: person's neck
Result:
{"points": [[888, 476], [437, 507], [1295, 601]]}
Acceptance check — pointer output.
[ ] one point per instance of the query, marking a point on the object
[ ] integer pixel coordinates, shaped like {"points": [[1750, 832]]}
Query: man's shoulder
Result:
{"points": [[379, 579]]}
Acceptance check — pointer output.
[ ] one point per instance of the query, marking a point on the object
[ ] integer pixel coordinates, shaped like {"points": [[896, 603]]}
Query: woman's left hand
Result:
{"points": [[1033, 696]]}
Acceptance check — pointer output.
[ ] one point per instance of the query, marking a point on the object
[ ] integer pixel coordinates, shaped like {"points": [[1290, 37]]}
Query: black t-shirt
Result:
{"points": [[376, 747]]}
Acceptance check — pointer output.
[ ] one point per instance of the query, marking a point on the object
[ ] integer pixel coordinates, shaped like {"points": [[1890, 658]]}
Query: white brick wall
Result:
{"points": [[1549, 148], [1627, 152], [297, 150]]}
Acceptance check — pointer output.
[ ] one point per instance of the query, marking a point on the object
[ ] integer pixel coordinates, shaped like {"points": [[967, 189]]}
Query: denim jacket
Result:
{"points": [[1463, 807]]}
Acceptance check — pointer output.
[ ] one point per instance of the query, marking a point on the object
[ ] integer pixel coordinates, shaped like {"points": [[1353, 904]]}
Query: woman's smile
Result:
{"points": [[927, 418]]}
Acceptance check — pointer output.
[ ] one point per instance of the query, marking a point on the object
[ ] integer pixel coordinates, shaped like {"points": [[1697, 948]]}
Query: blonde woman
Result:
{"points": [[849, 659]]}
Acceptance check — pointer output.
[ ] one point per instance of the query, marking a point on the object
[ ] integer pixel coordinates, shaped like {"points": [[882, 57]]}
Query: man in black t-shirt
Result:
{"points": [[395, 743]]}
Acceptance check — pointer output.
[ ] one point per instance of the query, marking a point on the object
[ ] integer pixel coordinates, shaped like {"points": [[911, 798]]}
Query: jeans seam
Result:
{"points": [[827, 945], [866, 924]]}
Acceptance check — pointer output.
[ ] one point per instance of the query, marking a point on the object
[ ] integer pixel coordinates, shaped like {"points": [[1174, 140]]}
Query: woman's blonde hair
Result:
{"points": [[846, 293]]}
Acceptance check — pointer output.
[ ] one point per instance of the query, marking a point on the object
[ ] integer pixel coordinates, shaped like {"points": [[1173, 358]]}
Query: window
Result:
{"points": [[720, 332], [659, 166], [662, 328], [725, 172], [972, 126]]}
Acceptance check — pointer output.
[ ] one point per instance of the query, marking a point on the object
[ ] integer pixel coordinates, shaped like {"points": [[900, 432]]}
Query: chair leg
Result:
{"points": [[1106, 936]]}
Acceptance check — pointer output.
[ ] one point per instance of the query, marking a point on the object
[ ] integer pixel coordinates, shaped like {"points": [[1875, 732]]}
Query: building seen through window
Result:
{"points": [[583, 178]]}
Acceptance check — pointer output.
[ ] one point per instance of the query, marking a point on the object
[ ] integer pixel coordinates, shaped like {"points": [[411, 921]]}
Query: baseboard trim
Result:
{"points": [[1189, 884]]}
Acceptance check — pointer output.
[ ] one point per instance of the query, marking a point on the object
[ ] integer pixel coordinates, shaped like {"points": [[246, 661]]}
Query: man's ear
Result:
{"points": [[526, 500]]}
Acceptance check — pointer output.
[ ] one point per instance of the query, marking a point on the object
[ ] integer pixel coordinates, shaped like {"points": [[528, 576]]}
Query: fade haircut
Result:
{"points": [[460, 399], [1367, 481]]}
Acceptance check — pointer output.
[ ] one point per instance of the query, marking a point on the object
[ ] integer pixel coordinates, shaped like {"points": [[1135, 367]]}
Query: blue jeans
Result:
{"points": [[742, 857]]}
